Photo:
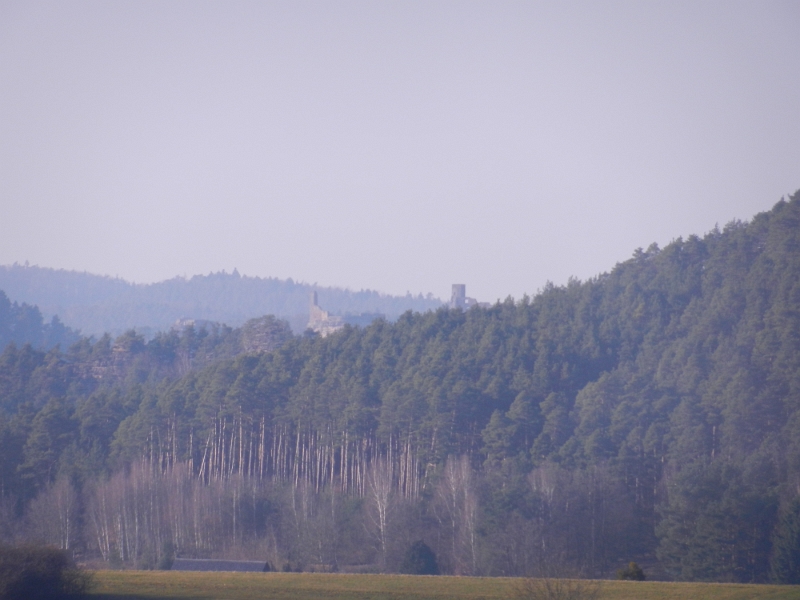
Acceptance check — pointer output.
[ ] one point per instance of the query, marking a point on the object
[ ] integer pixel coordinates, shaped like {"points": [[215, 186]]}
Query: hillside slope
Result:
{"points": [[650, 414]]}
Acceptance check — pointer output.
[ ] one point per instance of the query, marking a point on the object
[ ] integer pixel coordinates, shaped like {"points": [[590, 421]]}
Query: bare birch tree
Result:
{"points": [[52, 515], [456, 508], [379, 480]]}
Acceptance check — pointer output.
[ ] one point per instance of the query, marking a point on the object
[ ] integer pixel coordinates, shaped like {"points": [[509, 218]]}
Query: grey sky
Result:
{"points": [[397, 146]]}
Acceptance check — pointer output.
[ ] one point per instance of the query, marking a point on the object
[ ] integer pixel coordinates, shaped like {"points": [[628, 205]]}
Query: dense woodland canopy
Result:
{"points": [[651, 414], [23, 324]]}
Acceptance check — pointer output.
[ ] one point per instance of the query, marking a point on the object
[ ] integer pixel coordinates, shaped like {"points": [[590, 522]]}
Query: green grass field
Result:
{"points": [[152, 585]]}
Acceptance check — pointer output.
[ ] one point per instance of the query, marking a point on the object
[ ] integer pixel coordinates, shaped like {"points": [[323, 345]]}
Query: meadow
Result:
{"points": [[158, 585]]}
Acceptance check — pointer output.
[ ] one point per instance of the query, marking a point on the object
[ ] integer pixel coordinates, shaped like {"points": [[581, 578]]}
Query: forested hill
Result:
{"points": [[23, 324], [649, 414], [96, 305]]}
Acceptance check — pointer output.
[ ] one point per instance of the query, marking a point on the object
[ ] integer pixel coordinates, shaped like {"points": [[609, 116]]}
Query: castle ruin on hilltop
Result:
{"points": [[320, 320], [459, 298], [324, 323]]}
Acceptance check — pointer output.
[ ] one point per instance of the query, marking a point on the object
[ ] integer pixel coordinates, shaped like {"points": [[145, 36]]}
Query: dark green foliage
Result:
{"points": [[420, 560], [786, 546], [23, 324], [716, 525], [39, 573], [632, 572], [650, 413], [167, 556]]}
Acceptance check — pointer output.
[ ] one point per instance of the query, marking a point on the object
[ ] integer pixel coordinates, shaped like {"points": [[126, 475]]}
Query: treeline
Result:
{"points": [[49, 397], [95, 304], [23, 324], [651, 414]]}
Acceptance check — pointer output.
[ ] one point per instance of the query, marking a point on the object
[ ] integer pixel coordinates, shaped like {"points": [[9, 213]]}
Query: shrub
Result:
{"points": [[420, 560], [632, 572], [38, 573], [167, 556]]}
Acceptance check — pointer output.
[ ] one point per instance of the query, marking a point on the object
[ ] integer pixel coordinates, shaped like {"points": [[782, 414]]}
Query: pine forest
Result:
{"points": [[650, 414]]}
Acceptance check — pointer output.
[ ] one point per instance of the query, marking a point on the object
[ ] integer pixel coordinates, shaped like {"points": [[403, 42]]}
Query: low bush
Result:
{"points": [[420, 560], [39, 573], [633, 572]]}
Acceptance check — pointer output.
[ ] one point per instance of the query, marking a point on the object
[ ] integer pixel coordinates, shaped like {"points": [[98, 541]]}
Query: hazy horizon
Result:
{"points": [[184, 277], [397, 147]]}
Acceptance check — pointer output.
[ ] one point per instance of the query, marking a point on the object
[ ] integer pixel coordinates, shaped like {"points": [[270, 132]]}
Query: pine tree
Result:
{"points": [[786, 547], [420, 560]]}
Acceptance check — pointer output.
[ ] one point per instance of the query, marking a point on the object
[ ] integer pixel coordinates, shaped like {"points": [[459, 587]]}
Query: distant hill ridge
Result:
{"points": [[97, 304]]}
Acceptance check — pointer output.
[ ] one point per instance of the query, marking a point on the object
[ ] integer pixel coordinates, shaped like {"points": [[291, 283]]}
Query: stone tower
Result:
{"points": [[458, 297]]}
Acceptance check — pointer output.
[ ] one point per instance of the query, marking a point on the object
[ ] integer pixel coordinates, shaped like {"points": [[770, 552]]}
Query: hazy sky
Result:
{"points": [[397, 146]]}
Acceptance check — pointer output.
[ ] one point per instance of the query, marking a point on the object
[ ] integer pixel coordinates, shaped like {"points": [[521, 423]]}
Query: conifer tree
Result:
{"points": [[786, 546]]}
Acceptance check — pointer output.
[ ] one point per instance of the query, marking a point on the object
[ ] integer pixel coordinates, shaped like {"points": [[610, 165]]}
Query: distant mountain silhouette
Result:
{"points": [[97, 304]]}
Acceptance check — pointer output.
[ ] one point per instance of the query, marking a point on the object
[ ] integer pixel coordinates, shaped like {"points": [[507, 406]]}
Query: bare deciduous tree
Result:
{"points": [[380, 491], [52, 515], [457, 509]]}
